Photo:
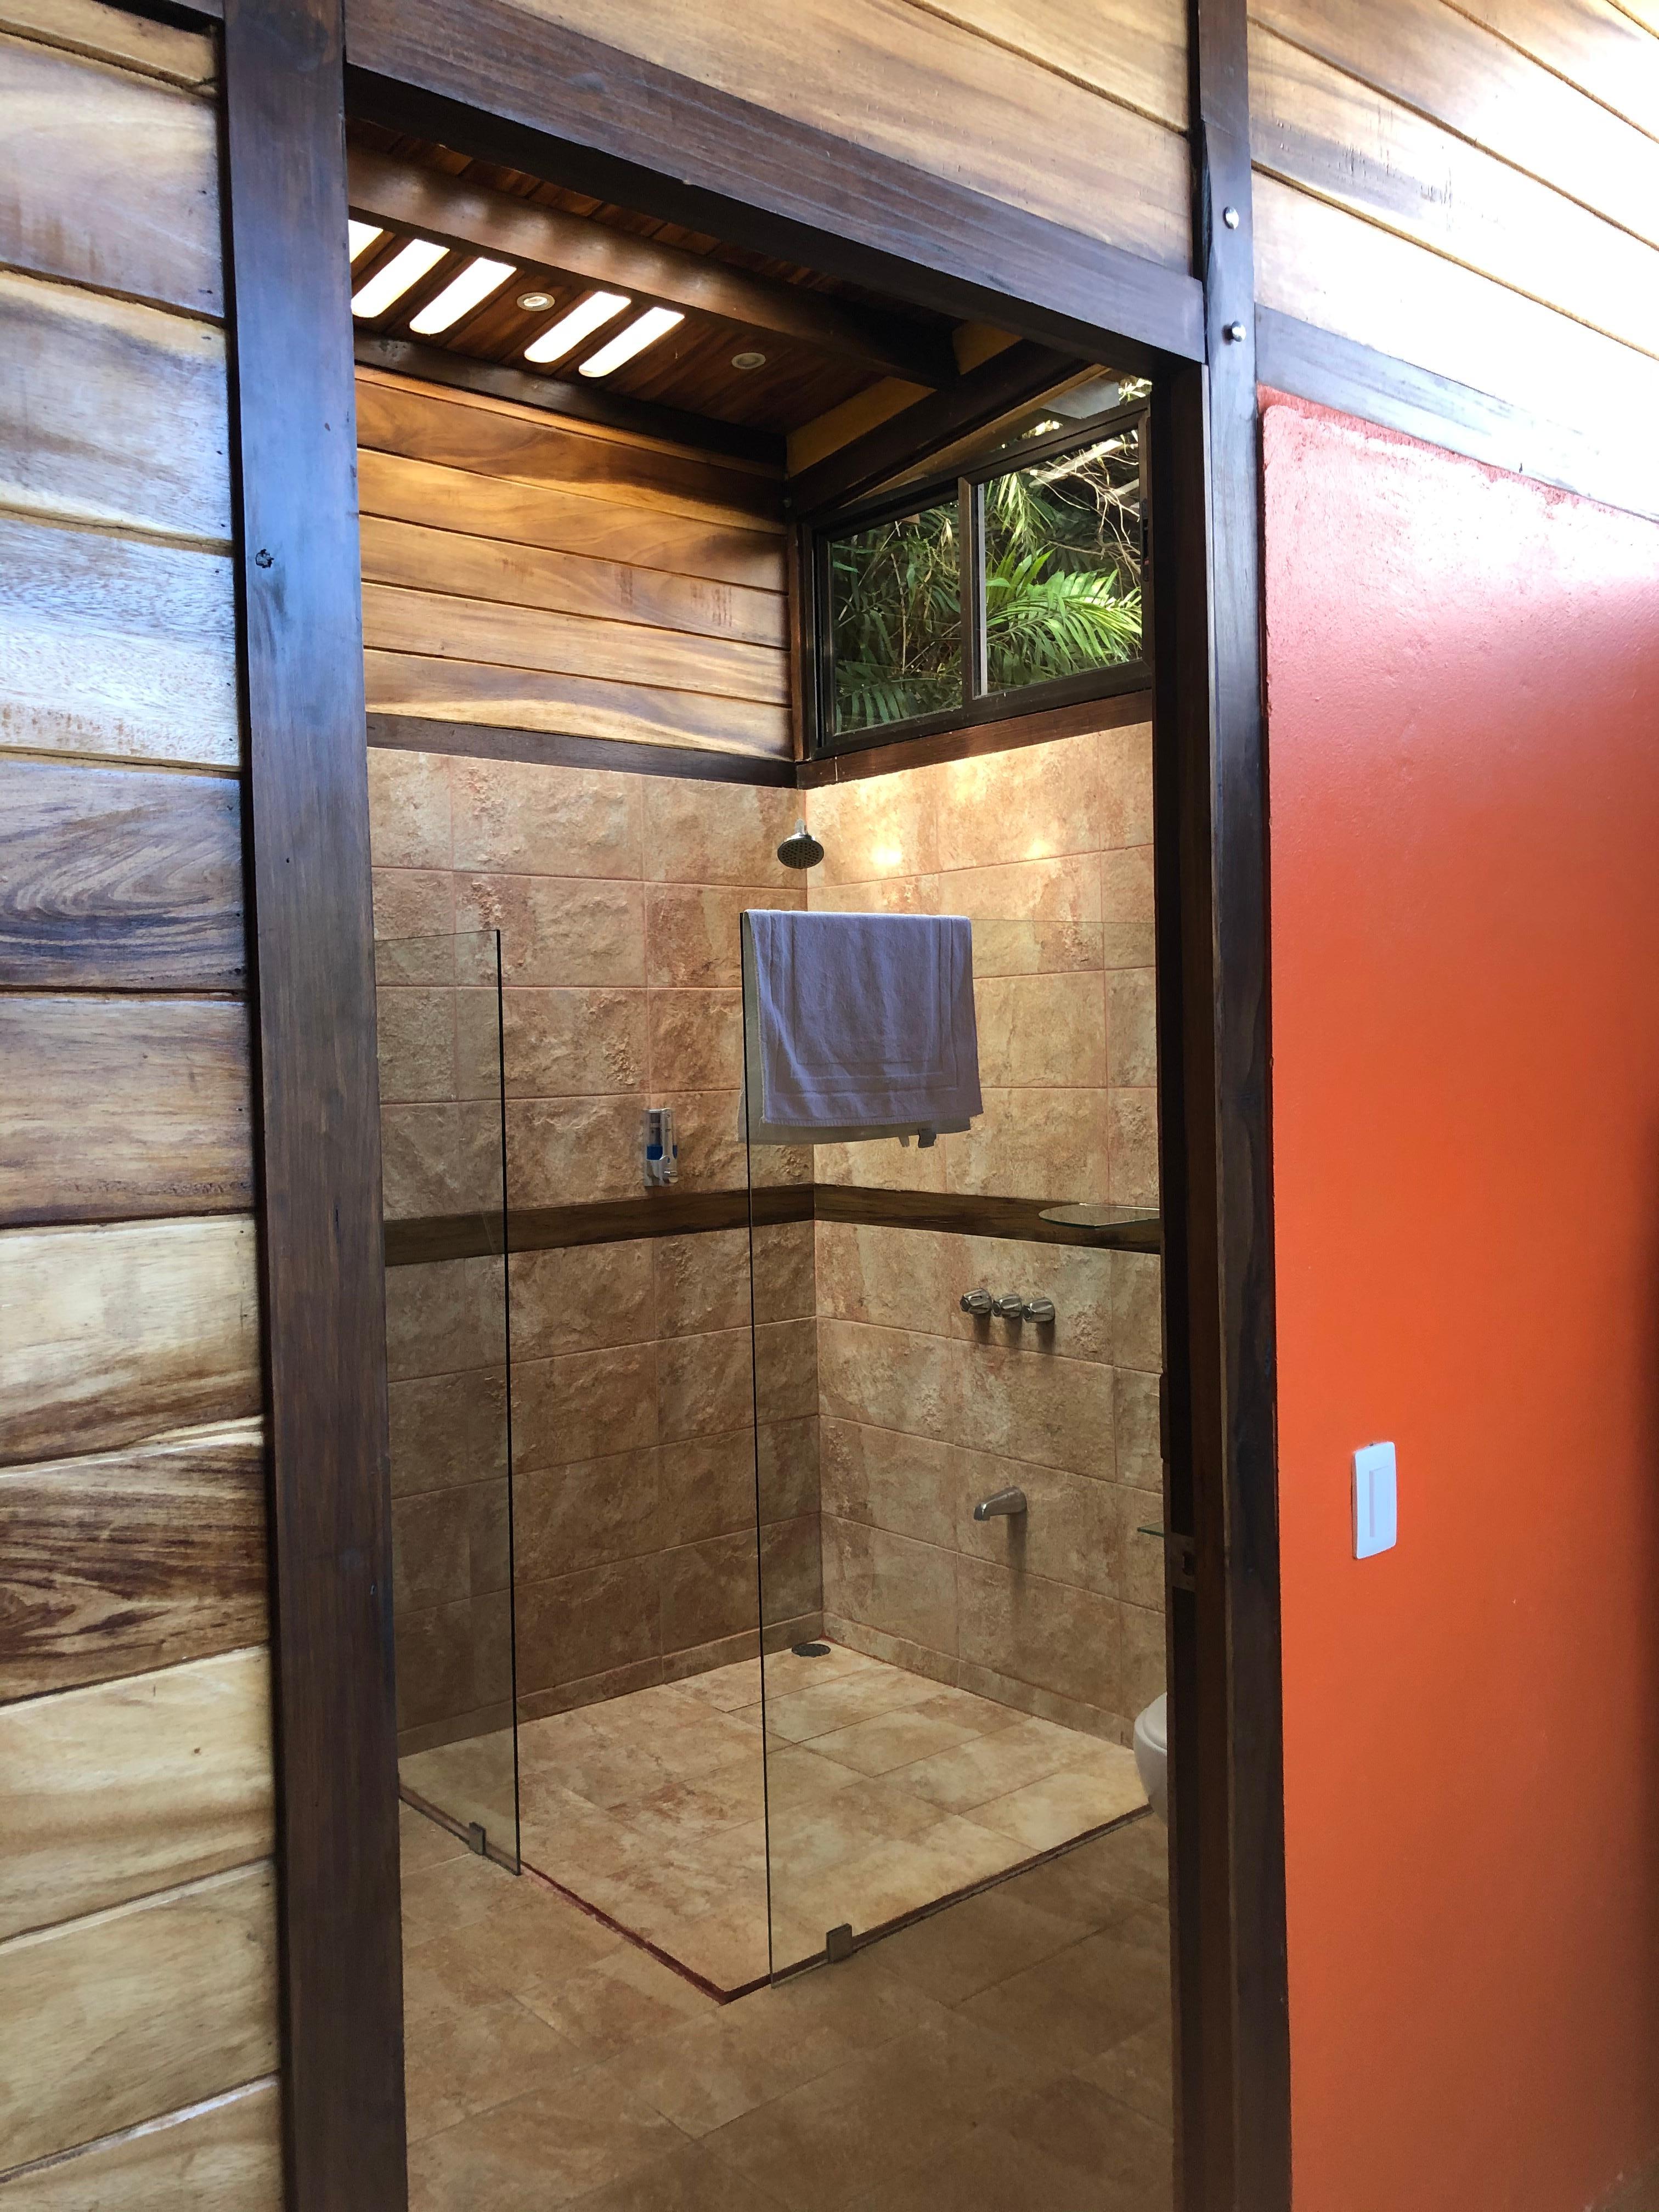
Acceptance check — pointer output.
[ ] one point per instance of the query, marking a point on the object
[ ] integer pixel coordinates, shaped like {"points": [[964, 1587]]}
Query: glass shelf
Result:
{"points": [[1127, 1228]]}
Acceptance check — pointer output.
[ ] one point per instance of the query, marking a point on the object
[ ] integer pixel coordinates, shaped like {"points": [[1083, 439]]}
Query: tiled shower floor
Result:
{"points": [[885, 1792]]}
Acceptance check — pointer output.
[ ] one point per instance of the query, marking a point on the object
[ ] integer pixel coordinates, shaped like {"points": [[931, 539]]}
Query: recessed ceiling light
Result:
{"points": [[644, 330], [581, 322], [748, 361], [363, 235], [406, 267], [534, 303], [460, 296]]}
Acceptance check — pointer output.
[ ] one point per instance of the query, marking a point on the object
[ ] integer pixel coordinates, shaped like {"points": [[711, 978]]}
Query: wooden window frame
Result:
{"points": [[979, 706]]}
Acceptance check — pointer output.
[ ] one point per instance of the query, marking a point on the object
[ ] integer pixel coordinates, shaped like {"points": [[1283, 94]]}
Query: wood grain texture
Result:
{"points": [[1313, 126], [600, 529], [111, 35], [113, 647], [465, 691], [78, 137], [492, 437], [120, 879], [1423, 53], [118, 1107], [128, 1561], [113, 412], [883, 75], [118, 1333], [568, 583], [137, 2011], [1327, 267], [479, 741], [1131, 50], [451, 627], [223, 2156], [113, 1792], [1594, 44]]}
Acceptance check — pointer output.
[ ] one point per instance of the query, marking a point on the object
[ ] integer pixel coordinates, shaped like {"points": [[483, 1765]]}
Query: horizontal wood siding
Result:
{"points": [[138, 1900], [524, 573], [1071, 110], [1453, 187]]}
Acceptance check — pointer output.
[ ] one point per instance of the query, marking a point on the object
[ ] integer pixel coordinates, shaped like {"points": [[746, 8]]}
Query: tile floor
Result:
{"points": [[884, 1790], [1009, 2051]]}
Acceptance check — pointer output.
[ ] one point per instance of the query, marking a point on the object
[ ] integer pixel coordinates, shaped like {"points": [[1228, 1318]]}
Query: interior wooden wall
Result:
{"points": [[524, 571], [136, 1890], [1474, 189], [1072, 109]]}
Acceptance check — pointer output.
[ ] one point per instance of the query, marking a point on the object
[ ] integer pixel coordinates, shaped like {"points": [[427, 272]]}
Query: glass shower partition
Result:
{"points": [[443, 1149], [961, 1620]]}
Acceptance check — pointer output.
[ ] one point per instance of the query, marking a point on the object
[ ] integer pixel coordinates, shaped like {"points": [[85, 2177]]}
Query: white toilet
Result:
{"points": [[1152, 1753]]}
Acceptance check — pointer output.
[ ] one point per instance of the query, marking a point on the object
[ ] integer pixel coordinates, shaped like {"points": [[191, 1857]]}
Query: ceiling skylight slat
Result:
{"points": [[655, 323], [465, 291], [388, 284]]}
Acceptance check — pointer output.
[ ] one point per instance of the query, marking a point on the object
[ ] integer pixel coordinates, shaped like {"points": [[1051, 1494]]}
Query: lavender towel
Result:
{"points": [[866, 1023]]}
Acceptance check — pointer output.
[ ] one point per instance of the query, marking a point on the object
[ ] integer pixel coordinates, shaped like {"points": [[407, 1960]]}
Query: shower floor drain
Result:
{"points": [[810, 1651]]}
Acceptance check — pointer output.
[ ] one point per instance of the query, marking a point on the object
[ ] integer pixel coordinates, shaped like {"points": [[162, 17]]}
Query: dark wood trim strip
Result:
{"points": [[319, 1141], [1210, 859], [1021, 372], [413, 733], [436, 1237], [464, 214], [508, 84], [1116, 711], [556, 395], [1298, 358]]}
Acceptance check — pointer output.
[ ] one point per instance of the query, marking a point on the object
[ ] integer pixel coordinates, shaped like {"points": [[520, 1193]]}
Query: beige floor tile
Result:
{"points": [[451, 1894], [458, 2061], [806, 1714], [881, 1884], [1086, 1999], [798, 1778], [984, 2169], [422, 1843], [1127, 2160], [1103, 1880], [1047, 1813], [891, 1740], [526, 1945], [714, 2070], [728, 1689], [972, 1945], [1138, 2072], [471, 1780], [550, 2148], [788, 1673], [988, 1766], [605, 2008], [687, 2180]]}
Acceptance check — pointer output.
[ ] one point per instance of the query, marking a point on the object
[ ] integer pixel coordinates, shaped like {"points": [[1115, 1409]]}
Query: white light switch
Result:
{"points": [[1376, 1510]]}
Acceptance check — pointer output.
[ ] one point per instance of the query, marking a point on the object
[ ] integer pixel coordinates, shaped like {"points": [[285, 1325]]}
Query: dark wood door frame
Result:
{"points": [[490, 78]]}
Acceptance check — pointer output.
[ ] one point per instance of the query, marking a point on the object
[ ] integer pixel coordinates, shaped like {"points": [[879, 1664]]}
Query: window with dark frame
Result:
{"points": [[1008, 585]]}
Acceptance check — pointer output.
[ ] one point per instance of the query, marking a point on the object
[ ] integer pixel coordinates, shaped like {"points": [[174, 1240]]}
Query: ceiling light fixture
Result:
{"points": [[406, 267], [748, 361], [581, 322], [535, 303], [644, 330], [362, 236], [460, 296]]}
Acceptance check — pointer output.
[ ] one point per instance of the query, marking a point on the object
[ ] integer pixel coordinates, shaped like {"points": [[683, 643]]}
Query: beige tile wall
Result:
{"points": [[1048, 850]]}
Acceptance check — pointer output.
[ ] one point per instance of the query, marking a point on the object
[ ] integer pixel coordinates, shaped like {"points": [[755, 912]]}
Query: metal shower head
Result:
{"points": [[800, 848]]}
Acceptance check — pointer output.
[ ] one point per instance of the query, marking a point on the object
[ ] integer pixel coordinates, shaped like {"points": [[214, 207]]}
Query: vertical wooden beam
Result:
{"points": [[319, 1138], [1211, 861]]}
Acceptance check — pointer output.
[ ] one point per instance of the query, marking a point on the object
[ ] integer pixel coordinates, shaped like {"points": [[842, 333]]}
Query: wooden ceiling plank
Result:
{"points": [[400, 196]]}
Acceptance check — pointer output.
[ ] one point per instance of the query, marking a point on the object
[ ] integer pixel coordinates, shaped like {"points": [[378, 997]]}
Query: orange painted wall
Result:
{"points": [[1463, 674]]}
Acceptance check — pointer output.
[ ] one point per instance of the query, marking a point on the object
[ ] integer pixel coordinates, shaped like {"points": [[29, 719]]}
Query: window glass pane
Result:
{"points": [[1062, 563], [896, 616]]}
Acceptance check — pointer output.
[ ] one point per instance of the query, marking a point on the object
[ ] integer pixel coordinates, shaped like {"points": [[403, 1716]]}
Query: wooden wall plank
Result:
{"points": [[108, 179], [1327, 267], [490, 507], [121, 1332], [113, 412], [138, 2011], [113, 1792], [113, 647], [530, 699], [1593, 44], [1313, 126], [492, 437], [915, 87], [223, 2156], [111, 35], [1130, 51], [568, 583], [1425, 54], [127, 1561], [119, 879], [117, 1108], [451, 627]]}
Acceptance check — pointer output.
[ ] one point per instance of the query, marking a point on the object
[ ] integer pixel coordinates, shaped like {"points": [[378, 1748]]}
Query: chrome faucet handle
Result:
{"points": [[1040, 1310], [977, 1303], [1012, 1307]]}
